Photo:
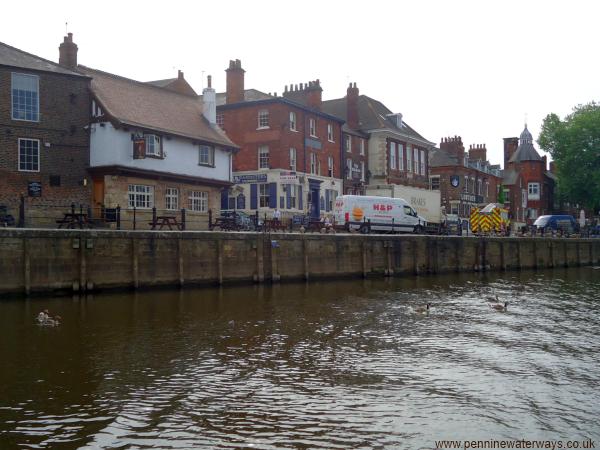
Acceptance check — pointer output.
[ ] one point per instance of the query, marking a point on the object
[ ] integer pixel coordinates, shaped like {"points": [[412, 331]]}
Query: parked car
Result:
{"points": [[559, 223], [366, 213]]}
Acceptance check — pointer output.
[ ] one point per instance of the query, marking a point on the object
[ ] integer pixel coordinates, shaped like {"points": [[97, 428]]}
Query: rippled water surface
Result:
{"points": [[323, 365]]}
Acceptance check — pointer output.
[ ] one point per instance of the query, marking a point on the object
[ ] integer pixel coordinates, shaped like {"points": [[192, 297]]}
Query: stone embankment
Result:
{"points": [[82, 260]]}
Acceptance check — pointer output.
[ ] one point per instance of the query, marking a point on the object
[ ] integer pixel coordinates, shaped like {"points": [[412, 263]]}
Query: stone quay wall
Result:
{"points": [[40, 260]]}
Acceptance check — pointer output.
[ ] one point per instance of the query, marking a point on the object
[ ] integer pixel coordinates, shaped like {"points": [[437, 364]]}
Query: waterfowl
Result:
{"points": [[500, 307], [422, 310]]}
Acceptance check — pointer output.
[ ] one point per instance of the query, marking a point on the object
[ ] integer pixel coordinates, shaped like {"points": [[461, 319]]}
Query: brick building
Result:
{"points": [[44, 143], [528, 184], [154, 146], [396, 153], [465, 179], [290, 149]]}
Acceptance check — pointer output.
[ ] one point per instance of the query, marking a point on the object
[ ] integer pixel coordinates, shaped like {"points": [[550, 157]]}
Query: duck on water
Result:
{"points": [[44, 319]]}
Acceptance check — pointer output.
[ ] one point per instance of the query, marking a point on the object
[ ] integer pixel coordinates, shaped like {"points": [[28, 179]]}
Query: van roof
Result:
{"points": [[373, 197]]}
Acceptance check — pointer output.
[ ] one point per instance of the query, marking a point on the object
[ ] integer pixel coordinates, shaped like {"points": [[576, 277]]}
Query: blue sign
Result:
{"points": [[454, 180], [314, 143], [250, 178]]}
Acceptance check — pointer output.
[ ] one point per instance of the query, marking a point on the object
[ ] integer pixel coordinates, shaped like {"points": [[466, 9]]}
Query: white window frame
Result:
{"points": [[313, 163], [506, 195], [416, 160], [263, 157], [437, 178], [466, 183], [152, 145], [140, 196], [330, 166], [198, 201], [293, 121], [263, 195], [37, 156], [362, 146], [293, 194], [524, 198], [392, 155], [362, 171], [349, 169], [263, 119], [479, 186], [171, 198], [422, 161], [206, 155], [22, 116], [348, 143], [221, 121], [400, 156], [293, 159], [533, 191], [312, 127], [330, 132], [408, 158]]}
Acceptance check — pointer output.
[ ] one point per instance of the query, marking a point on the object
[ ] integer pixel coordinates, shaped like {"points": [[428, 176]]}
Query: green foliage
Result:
{"points": [[501, 198], [574, 144]]}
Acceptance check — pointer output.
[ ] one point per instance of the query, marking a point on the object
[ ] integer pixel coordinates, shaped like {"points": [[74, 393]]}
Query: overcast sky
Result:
{"points": [[475, 69]]}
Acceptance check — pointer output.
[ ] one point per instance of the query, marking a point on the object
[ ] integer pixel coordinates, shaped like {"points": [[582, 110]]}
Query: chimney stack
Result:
{"points": [[209, 102], [454, 146], [308, 94], [352, 106], [478, 152], [67, 53], [235, 82], [510, 147]]}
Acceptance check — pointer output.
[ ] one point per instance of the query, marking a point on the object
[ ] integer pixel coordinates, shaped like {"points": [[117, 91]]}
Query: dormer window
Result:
{"points": [[153, 145], [396, 119]]}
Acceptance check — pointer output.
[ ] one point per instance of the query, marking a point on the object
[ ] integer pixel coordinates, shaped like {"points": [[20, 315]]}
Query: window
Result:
{"points": [[330, 166], [313, 163], [523, 198], [198, 201], [152, 145], [140, 196], [479, 187], [292, 193], [435, 183], [172, 198], [292, 121], [392, 155], [416, 160], [312, 126], [362, 171], [29, 155], [487, 189], [422, 165], [263, 157], [348, 169], [466, 183], [330, 196], [466, 161], [263, 118], [532, 213], [293, 159], [454, 208], [408, 158], [207, 155], [348, 143], [400, 157], [318, 166], [221, 121], [362, 146], [263, 195], [330, 132], [533, 191], [25, 97]]}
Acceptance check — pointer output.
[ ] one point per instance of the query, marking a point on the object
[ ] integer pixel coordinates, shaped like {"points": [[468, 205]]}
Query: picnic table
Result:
{"points": [[162, 221], [226, 224], [74, 220]]}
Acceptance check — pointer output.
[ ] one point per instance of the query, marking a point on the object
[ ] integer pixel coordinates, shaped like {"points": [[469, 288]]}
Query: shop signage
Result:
{"points": [[288, 177], [34, 189], [471, 198], [250, 178]]}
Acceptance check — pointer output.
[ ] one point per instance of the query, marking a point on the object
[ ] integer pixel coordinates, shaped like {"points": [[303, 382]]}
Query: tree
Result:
{"points": [[501, 198], [574, 144]]}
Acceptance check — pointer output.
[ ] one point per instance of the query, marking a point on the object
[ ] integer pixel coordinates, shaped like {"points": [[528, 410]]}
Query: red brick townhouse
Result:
{"points": [[395, 156], [528, 184], [153, 146], [465, 179], [290, 149], [44, 144]]}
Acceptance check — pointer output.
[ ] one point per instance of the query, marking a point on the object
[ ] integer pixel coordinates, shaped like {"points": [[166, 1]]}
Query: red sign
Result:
{"points": [[380, 207]]}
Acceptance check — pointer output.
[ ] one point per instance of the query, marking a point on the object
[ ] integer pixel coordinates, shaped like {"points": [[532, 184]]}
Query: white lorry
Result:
{"points": [[373, 213]]}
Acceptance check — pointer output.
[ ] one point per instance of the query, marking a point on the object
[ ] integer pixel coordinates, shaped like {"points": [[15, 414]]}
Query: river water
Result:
{"points": [[348, 364]]}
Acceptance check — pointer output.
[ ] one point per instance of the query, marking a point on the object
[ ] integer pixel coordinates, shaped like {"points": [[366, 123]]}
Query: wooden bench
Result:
{"points": [[169, 221]]}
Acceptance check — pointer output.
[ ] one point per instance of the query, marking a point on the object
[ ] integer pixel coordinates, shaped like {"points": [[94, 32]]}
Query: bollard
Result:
{"points": [[183, 219], [153, 217], [210, 221], [118, 213]]}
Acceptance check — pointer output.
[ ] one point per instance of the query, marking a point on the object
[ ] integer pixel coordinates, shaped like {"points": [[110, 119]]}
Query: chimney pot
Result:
{"points": [[209, 81], [180, 75]]}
